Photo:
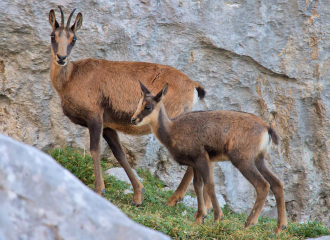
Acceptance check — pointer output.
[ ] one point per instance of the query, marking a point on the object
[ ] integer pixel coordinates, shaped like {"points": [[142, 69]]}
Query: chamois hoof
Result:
{"points": [[204, 216], [139, 204], [101, 192], [249, 225], [280, 229], [136, 204], [178, 201], [173, 201], [199, 220], [252, 225], [218, 220]]}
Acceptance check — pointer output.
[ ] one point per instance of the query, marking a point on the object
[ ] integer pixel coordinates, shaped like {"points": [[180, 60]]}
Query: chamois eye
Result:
{"points": [[52, 37], [147, 107], [73, 41]]}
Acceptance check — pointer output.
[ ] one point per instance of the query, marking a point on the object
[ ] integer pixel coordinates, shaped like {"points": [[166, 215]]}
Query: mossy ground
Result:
{"points": [[178, 222]]}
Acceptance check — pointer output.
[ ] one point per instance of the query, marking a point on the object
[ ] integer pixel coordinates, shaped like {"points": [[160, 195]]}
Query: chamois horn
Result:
{"points": [[62, 16], [69, 19]]}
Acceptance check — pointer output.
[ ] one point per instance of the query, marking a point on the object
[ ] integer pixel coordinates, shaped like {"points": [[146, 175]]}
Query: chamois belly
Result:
{"points": [[220, 158], [217, 155], [121, 125], [121, 121], [128, 128]]}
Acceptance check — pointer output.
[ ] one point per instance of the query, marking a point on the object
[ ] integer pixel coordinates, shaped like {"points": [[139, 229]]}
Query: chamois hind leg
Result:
{"points": [[95, 132], [205, 166], [198, 185], [251, 173], [277, 188], [112, 139], [180, 192]]}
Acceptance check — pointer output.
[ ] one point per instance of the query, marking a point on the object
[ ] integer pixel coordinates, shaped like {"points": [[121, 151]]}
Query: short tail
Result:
{"points": [[273, 134], [201, 91]]}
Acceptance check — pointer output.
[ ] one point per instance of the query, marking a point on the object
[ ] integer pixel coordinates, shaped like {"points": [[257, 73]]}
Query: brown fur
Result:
{"points": [[197, 139], [102, 95]]}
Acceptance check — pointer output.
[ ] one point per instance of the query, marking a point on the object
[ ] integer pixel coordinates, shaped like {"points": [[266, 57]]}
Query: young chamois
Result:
{"points": [[102, 95], [198, 139]]}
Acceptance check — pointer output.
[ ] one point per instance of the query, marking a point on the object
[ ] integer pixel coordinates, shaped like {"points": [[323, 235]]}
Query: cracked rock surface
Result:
{"points": [[39, 199], [268, 57]]}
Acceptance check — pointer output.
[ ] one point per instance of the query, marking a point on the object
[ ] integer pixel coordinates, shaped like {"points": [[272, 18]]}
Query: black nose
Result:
{"points": [[133, 120], [61, 58]]}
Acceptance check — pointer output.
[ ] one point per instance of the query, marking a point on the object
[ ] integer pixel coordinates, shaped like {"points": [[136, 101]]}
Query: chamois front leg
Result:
{"points": [[95, 132], [205, 167], [112, 139], [198, 185], [180, 192]]}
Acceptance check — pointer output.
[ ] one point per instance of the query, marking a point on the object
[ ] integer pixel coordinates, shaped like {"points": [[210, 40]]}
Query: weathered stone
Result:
{"points": [[120, 174], [320, 238], [265, 57], [39, 199], [190, 201]]}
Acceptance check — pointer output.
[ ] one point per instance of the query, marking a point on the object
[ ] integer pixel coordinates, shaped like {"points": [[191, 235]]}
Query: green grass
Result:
{"points": [[178, 222]]}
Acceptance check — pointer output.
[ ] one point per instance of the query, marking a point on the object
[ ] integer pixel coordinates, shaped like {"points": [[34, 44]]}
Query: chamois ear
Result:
{"points": [[52, 20], [77, 24], [144, 88], [161, 94]]}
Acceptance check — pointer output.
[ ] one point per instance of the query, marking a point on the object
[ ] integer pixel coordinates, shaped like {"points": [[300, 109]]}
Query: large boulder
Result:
{"points": [[39, 199], [267, 57]]}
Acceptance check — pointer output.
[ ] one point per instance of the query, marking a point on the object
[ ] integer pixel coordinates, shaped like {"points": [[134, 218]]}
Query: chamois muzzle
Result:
{"points": [[61, 59], [134, 121]]}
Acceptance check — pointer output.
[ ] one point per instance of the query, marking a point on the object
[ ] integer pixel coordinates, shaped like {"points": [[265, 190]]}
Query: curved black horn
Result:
{"points": [[62, 16], [69, 19]]}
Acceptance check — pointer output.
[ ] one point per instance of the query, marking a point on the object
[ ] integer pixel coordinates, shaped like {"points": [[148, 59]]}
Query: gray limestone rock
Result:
{"points": [[39, 199], [192, 201], [120, 174], [270, 58], [320, 238]]}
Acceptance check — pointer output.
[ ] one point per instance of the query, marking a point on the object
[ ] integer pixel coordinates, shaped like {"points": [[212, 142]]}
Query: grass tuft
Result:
{"points": [[178, 221]]}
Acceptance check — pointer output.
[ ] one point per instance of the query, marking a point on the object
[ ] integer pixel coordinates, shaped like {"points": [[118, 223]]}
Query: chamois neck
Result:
{"points": [[59, 75], [161, 126]]}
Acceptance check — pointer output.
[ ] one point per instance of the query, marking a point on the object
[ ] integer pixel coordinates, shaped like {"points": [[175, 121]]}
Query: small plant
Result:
{"points": [[178, 221], [79, 164]]}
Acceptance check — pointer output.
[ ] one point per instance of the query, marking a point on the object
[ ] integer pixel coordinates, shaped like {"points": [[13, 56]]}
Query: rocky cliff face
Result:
{"points": [[270, 58]]}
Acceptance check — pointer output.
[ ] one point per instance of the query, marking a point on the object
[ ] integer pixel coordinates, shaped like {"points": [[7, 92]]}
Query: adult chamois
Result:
{"points": [[198, 139], [102, 95]]}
